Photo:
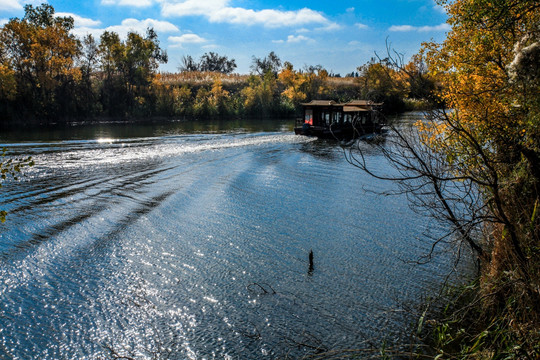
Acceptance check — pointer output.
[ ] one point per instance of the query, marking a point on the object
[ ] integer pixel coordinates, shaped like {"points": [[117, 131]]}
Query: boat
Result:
{"points": [[328, 119]]}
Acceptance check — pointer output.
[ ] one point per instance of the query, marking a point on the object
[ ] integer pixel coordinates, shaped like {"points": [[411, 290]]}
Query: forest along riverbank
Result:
{"points": [[197, 244]]}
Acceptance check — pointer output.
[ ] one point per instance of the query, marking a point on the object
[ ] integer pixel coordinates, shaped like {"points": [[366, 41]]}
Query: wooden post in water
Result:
{"points": [[310, 271]]}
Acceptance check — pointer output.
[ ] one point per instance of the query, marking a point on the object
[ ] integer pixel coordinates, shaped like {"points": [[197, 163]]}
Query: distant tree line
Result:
{"points": [[48, 75]]}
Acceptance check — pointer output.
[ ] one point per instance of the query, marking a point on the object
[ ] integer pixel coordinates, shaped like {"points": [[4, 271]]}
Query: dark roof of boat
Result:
{"points": [[362, 103], [347, 108]]}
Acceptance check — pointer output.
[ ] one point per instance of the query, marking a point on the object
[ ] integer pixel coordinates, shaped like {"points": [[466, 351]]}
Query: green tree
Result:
{"points": [[270, 63], [261, 96], [213, 62], [204, 106], [128, 67], [188, 64]]}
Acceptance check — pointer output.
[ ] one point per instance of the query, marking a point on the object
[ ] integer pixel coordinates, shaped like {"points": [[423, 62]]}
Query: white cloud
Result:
{"points": [[79, 20], [361, 26], [140, 26], [218, 11], [268, 18], [407, 28], [127, 25], [178, 41], [192, 7], [298, 38], [291, 39], [330, 27], [440, 27], [133, 3], [350, 10], [3, 22], [10, 5], [401, 28], [84, 30]]}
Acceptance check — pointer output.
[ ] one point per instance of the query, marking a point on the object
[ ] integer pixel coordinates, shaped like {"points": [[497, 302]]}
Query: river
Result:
{"points": [[191, 241]]}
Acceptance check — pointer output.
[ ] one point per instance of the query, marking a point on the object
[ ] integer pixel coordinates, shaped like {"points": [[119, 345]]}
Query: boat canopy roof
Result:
{"points": [[354, 108]]}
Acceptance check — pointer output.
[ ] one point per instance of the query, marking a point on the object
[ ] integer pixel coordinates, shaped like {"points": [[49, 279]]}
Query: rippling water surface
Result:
{"points": [[195, 245]]}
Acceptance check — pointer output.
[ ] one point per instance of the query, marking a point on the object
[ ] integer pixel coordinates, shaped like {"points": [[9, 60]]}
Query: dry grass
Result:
{"points": [[205, 77], [201, 78], [342, 81]]}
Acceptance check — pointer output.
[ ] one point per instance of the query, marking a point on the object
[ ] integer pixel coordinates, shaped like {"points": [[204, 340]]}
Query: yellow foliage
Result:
{"points": [[294, 82], [473, 63], [8, 83], [44, 52]]}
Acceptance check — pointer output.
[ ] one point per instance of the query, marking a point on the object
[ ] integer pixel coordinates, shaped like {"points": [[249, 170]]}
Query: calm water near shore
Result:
{"points": [[187, 240]]}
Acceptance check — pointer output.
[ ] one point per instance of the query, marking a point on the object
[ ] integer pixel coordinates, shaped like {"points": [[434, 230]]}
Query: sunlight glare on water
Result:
{"points": [[196, 246]]}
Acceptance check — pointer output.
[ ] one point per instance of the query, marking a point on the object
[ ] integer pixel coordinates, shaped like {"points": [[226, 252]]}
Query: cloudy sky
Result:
{"points": [[339, 35]]}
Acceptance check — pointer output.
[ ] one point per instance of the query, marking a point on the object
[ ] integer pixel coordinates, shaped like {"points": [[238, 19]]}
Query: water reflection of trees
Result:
{"points": [[322, 149], [332, 149]]}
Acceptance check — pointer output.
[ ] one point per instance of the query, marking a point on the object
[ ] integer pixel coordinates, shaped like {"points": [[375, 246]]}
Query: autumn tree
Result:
{"points": [[418, 83], [128, 67], [494, 126], [261, 96], [86, 90], [203, 105], [476, 166], [220, 98], [315, 86], [293, 82], [39, 52], [380, 81]]}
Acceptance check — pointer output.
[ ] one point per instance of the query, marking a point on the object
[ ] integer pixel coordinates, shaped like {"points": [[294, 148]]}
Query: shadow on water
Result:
{"points": [[332, 150], [323, 149], [44, 235], [125, 130], [108, 191], [144, 208]]}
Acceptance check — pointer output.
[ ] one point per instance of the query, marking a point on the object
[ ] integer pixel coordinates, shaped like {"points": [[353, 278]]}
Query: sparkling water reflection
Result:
{"points": [[196, 246]]}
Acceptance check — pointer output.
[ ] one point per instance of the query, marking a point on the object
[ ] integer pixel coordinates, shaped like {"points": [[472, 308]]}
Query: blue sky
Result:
{"points": [[340, 36]]}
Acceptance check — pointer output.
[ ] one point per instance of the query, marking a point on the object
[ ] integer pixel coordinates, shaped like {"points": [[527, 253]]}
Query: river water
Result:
{"points": [[191, 241]]}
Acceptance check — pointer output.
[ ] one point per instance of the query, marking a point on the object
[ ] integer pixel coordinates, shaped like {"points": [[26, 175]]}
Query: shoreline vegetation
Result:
{"points": [[48, 75], [475, 169]]}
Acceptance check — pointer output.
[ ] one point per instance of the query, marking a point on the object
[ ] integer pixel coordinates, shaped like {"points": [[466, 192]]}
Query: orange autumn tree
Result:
{"points": [[475, 166], [489, 65], [37, 56], [490, 68], [293, 81]]}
